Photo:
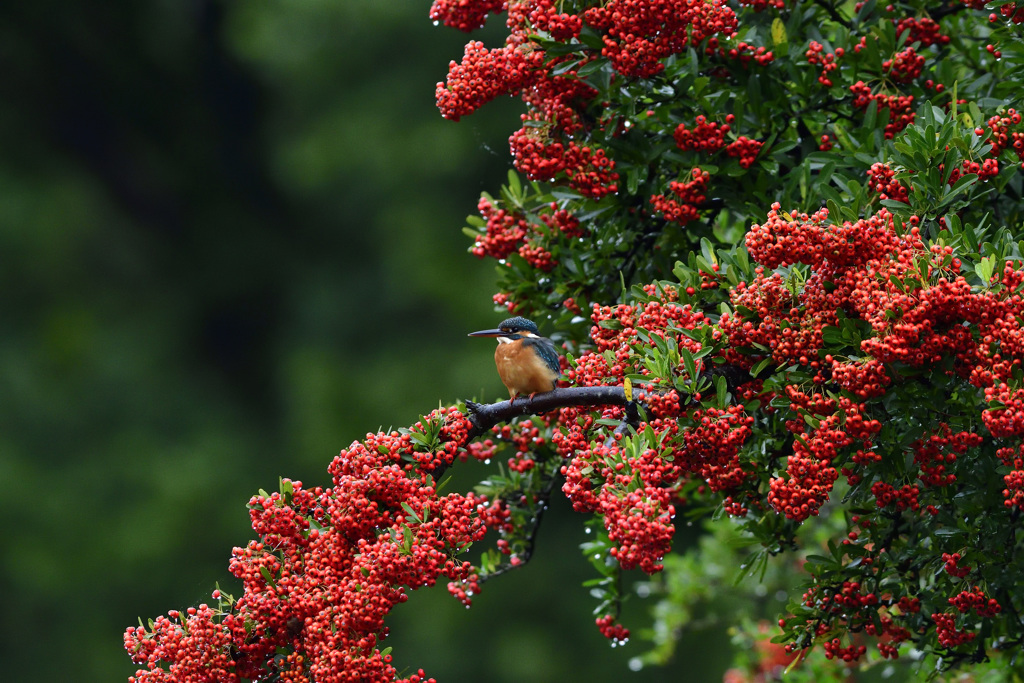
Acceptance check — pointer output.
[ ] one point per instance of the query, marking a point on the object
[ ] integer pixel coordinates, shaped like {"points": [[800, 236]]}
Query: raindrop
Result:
{"points": [[587, 530], [635, 664]]}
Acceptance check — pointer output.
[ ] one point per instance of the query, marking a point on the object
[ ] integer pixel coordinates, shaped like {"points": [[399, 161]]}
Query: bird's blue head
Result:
{"points": [[513, 328]]}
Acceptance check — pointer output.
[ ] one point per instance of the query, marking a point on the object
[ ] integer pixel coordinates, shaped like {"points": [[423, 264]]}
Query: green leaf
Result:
{"points": [[265, 573], [760, 366], [440, 487], [592, 67], [778, 32], [831, 335], [985, 268], [411, 512], [514, 186]]}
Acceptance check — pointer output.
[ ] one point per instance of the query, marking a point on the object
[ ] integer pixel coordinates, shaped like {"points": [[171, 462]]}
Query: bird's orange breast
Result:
{"points": [[522, 371]]}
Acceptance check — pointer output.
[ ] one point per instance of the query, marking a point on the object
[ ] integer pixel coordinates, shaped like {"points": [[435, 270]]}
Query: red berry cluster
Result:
{"points": [[640, 522], [834, 650], [860, 268], [904, 498], [612, 630], [544, 15], [538, 257], [690, 196], [1013, 494], [465, 15], [526, 438], [953, 566], [638, 34], [485, 74], [976, 601], [711, 446], [933, 454], [786, 239], [924, 30], [987, 169], [866, 379], [744, 149], [502, 300], [899, 106], [706, 136], [1002, 136], [810, 474], [632, 488], [761, 5], [882, 180], [329, 565], [504, 233], [827, 60], [742, 52], [543, 148], [948, 634], [1011, 12], [537, 155], [877, 615], [904, 66], [562, 221], [633, 492]]}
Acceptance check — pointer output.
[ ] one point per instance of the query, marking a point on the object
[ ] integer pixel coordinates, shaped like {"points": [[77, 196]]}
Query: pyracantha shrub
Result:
{"points": [[779, 244]]}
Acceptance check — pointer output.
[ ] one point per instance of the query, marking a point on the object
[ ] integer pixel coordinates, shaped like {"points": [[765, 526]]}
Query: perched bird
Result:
{"points": [[527, 363]]}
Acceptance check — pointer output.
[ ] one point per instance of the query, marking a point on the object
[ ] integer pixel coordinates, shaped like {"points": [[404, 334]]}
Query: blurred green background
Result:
{"points": [[230, 245]]}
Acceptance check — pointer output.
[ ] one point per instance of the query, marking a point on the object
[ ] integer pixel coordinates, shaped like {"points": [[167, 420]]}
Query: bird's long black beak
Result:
{"points": [[488, 333]]}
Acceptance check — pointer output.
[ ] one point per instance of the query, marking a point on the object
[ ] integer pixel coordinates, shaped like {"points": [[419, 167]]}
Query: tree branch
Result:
{"points": [[486, 415], [543, 501]]}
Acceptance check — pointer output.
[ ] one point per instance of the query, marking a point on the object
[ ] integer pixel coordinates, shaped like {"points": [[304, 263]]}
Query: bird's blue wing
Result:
{"points": [[546, 350]]}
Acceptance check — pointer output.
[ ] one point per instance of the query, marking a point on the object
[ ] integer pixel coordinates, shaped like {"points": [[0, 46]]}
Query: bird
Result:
{"points": [[527, 363]]}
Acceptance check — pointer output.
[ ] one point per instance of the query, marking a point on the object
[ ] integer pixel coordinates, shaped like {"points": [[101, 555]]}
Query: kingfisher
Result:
{"points": [[527, 363]]}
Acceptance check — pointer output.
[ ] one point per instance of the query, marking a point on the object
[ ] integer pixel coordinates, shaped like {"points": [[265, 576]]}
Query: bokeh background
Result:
{"points": [[229, 245]]}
